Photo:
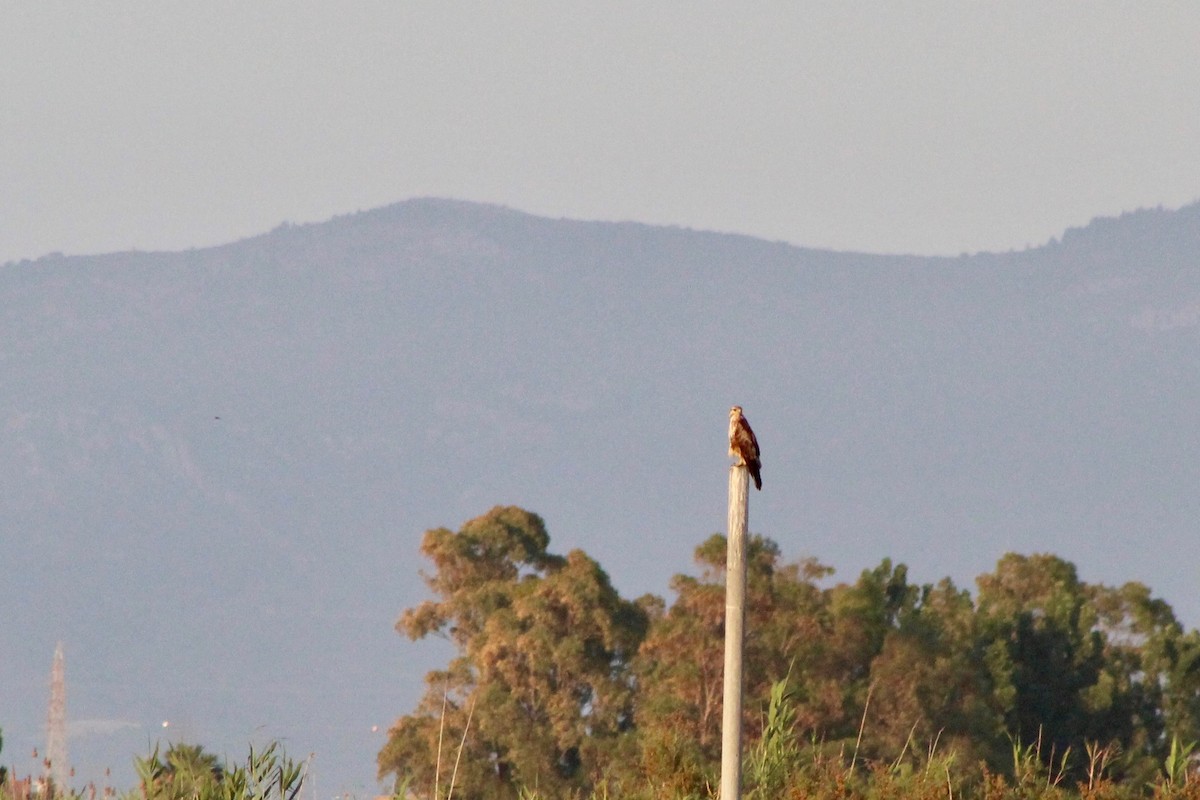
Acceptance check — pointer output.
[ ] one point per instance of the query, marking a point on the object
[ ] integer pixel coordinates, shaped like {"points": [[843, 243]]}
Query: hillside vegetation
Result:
{"points": [[1037, 685], [271, 423]]}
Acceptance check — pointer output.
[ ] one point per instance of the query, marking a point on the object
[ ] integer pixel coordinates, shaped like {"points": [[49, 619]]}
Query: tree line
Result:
{"points": [[560, 687]]}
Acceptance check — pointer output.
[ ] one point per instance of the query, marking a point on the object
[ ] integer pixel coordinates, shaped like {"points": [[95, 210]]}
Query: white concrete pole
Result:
{"points": [[735, 624]]}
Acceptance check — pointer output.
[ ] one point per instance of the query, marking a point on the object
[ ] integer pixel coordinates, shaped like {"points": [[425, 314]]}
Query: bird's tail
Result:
{"points": [[756, 473]]}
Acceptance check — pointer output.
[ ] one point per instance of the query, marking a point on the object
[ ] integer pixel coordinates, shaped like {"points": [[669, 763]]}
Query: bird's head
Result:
{"points": [[736, 411]]}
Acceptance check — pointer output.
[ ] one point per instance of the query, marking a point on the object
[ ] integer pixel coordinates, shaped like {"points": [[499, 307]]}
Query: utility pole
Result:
{"points": [[56, 726], [735, 624]]}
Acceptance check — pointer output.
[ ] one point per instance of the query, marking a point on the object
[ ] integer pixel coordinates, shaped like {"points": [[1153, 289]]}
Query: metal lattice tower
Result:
{"points": [[56, 724]]}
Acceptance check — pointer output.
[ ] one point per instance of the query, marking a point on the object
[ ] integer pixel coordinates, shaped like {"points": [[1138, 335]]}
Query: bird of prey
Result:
{"points": [[744, 446]]}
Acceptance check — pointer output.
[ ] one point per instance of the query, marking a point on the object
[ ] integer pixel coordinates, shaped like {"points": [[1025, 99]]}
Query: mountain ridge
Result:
{"points": [[220, 460], [1144, 218]]}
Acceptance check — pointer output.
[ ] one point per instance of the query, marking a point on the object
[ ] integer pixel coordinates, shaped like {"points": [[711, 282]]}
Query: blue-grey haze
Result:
{"points": [[218, 463]]}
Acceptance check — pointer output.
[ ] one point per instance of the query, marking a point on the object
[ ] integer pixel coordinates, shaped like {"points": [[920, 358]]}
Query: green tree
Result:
{"points": [[1069, 660], [1149, 686], [540, 693], [188, 772], [680, 664], [561, 688], [1177, 657], [931, 691], [181, 771], [193, 763], [679, 671], [863, 615]]}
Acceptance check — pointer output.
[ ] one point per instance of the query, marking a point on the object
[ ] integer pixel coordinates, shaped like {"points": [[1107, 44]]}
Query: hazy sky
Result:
{"points": [[891, 126]]}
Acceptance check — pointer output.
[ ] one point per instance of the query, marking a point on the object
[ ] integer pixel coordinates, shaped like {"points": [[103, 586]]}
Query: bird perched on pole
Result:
{"points": [[744, 446]]}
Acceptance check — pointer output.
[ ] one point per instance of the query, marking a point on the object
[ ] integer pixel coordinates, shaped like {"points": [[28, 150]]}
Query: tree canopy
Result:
{"points": [[543, 672], [561, 686]]}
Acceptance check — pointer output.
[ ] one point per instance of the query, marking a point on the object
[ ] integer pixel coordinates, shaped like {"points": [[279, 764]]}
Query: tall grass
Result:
{"points": [[781, 766], [266, 774]]}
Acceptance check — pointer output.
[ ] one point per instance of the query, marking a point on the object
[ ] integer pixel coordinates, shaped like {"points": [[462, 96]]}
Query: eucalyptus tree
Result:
{"points": [[539, 693]]}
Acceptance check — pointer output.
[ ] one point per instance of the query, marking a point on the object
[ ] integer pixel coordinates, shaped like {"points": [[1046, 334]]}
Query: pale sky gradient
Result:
{"points": [[889, 127]]}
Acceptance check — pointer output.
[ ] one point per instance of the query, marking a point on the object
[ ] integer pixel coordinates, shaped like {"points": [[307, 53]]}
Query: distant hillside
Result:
{"points": [[218, 463]]}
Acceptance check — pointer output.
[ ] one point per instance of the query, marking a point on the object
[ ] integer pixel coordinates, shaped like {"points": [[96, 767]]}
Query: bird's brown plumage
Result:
{"points": [[743, 445]]}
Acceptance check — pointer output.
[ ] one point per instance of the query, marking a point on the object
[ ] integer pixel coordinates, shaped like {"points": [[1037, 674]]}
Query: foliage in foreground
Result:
{"points": [[187, 772], [1040, 685]]}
